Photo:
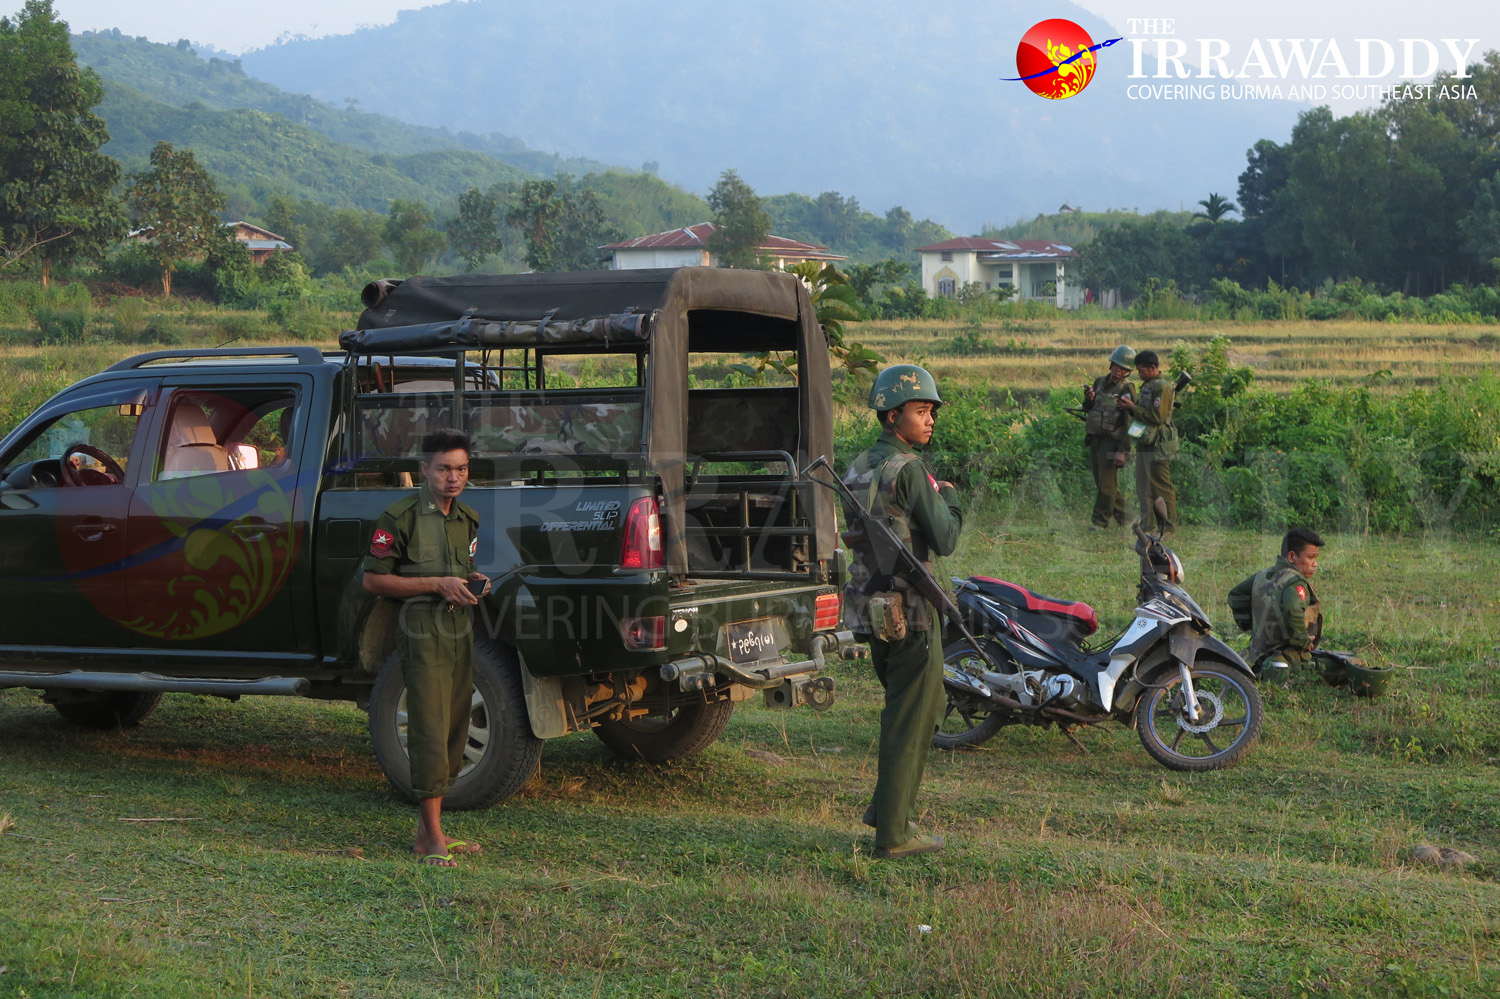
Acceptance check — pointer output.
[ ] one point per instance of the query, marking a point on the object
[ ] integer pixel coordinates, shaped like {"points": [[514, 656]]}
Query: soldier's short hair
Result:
{"points": [[443, 440], [1299, 538], [1147, 359]]}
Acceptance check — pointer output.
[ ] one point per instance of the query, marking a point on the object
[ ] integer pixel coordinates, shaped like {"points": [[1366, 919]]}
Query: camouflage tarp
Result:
{"points": [[484, 333], [691, 309]]}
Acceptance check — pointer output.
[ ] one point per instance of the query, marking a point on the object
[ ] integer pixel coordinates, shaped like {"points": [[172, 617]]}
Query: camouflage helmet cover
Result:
{"points": [[1124, 356], [903, 383]]}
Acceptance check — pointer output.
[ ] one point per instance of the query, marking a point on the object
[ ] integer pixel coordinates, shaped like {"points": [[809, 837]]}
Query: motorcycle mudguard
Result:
{"points": [[1185, 644]]}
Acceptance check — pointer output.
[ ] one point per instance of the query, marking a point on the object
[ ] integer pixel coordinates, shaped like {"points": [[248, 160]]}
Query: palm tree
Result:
{"points": [[1215, 207]]}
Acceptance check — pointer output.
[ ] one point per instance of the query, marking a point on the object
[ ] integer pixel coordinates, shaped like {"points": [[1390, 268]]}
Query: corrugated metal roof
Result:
{"points": [[1004, 249], [695, 237]]}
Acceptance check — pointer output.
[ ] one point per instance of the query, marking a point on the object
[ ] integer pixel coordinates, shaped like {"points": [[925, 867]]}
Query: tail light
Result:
{"points": [[644, 633], [641, 548], [826, 612]]}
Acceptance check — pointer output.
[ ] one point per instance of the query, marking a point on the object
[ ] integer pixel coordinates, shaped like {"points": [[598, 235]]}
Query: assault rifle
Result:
{"points": [[895, 559]]}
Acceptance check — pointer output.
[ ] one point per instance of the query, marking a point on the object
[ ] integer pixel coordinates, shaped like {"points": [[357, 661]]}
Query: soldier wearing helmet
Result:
{"points": [[903, 629], [1104, 426]]}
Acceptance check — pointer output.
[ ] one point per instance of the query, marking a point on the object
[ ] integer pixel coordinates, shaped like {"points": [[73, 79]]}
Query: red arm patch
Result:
{"points": [[1302, 593], [380, 544]]}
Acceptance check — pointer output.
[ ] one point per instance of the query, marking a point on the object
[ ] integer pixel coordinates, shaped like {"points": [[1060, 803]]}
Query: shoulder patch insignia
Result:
{"points": [[935, 487], [380, 544], [473, 547], [1156, 403], [1301, 592]]}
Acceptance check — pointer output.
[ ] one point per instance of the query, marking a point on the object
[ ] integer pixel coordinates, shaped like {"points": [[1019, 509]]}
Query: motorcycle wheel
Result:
{"points": [[968, 720], [1230, 723]]}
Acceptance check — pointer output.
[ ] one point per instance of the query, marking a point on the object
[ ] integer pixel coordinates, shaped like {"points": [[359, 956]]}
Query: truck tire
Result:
{"points": [[502, 754], [687, 731], [112, 709]]}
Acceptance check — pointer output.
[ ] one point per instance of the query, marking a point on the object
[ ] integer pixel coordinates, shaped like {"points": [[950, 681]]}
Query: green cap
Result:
{"points": [[902, 383], [1123, 356]]}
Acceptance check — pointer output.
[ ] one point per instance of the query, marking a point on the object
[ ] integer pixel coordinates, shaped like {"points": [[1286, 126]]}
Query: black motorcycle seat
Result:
{"points": [[1021, 598]]}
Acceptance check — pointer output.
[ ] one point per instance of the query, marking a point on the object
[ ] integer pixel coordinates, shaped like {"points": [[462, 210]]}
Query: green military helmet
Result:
{"points": [[1344, 669], [1124, 356], [903, 383]]}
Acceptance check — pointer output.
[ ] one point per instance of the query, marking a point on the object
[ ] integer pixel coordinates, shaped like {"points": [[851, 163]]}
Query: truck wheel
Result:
{"points": [[685, 731], [502, 754], [111, 708]]}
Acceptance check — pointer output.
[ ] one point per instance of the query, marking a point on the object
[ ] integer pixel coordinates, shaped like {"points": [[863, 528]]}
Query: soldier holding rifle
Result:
{"points": [[1104, 426], [887, 607]]}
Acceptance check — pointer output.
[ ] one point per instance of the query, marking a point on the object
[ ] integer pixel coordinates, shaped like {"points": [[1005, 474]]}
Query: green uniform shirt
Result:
{"points": [[1285, 619], [1154, 409], [1105, 418], [893, 482], [414, 538]]}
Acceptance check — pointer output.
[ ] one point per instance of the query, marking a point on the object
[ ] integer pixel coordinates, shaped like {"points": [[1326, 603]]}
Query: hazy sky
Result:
{"points": [[248, 24]]}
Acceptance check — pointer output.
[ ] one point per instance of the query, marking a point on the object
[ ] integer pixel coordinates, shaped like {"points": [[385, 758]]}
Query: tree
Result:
{"points": [[1215, 207], [472, 233], [1339, 180], [177, 201], [563, 225], [409, 235], [740, 225], [1481, 227], [55, 184], [536, 212]]}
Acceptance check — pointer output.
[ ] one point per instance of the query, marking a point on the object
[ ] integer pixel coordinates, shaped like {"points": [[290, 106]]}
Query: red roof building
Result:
{"points": [[688, 247], [1037, 268]]}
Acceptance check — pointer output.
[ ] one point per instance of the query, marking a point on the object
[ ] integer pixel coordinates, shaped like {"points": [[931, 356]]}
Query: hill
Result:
{"points": [[894, 104], [176, 76]]}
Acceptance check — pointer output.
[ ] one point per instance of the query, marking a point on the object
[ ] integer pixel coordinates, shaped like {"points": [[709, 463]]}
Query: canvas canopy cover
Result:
{"points": [[667, 313]]}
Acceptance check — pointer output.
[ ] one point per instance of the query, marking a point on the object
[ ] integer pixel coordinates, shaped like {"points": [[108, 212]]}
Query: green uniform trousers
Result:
{"points": [[436, 647], [911, 671], [1153, 479], [1109, 502]]}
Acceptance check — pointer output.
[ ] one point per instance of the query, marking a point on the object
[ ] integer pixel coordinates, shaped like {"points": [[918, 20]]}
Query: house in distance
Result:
{"points": [[688, 247], [1038, 269]]}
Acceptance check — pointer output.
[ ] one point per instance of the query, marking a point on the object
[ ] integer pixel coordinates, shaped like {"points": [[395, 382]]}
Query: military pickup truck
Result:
{"points": [[195, 521]]}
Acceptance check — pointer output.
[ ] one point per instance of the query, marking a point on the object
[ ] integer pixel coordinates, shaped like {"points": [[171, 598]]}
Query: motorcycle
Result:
{"points": [[1191, 698]]}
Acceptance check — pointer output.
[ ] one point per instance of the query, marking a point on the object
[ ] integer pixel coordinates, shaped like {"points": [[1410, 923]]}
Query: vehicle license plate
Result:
{"points": [[751, 641]]}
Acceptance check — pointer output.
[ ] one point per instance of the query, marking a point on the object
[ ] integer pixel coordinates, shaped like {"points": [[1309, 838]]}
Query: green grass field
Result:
{"points": [[283, 869]]}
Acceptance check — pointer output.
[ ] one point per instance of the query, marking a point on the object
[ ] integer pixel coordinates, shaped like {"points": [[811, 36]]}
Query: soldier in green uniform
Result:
{"points": [[1155, 444], [904, 630], [1279, 608], [1104, 433], [422, 553]]}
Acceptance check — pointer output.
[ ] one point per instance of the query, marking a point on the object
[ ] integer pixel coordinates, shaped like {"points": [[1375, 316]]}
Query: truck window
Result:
{"points": [[110, 429], [232, 430]]}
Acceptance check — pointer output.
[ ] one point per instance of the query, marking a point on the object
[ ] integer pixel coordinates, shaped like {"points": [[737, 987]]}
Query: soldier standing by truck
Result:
{"points": [[904, 630], [422, 553], [1104, 426], [1155, 444]]}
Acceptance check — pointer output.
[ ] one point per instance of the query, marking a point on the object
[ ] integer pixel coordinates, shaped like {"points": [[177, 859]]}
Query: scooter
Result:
{"points": [[1191, 698]]}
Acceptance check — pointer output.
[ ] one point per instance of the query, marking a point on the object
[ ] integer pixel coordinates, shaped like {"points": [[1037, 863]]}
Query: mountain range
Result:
{"points": [[886, 101]]}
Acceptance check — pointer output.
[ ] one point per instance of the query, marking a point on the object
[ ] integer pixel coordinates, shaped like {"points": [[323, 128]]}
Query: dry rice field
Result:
{"points": [[1025, 356]]}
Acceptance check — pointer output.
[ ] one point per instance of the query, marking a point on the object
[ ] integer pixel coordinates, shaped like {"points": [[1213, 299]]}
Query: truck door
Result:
{"points": [[62, 534], [216, 519]]}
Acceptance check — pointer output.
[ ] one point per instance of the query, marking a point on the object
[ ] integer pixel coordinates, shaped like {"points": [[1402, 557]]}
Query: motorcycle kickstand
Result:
{"points": [[1068, 731]]}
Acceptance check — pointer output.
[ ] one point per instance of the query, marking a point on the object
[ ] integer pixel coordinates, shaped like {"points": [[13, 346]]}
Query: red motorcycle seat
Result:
{"points": [[1019, 596]]}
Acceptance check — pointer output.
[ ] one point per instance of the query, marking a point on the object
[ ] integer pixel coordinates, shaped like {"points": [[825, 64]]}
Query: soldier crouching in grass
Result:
{"points": [[904, 630], [1280, 610], [422, 554]]}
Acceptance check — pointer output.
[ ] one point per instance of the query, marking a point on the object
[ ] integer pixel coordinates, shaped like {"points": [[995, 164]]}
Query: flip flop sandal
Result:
{"points": [[459, 846], [439, 860]]}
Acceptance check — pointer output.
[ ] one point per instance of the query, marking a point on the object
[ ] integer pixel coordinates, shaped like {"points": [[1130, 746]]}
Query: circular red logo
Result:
{"points": [[1054, 58]]}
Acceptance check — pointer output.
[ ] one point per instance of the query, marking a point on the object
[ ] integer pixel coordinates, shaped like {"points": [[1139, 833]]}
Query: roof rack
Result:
{"points": [[302, 355]]}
